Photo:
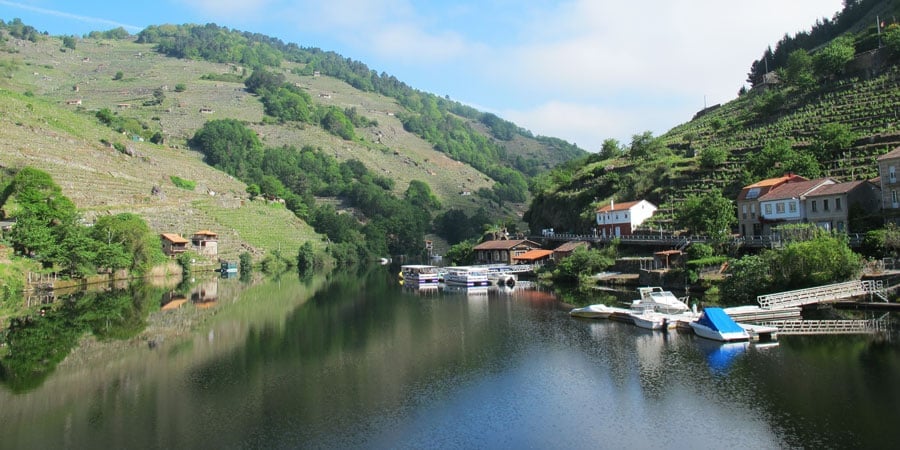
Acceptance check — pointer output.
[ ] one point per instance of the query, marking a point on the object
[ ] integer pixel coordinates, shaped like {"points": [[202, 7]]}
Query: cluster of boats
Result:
{"points": [[657, 309], [420, 276]]}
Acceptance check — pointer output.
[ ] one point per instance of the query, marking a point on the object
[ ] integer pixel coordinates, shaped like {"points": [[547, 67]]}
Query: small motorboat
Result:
{"points": [[597, 311], [650, 320], [716, 325]]}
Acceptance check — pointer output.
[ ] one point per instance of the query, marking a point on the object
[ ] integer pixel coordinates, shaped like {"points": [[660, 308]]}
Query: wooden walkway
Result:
{"points": [[822, 294]]}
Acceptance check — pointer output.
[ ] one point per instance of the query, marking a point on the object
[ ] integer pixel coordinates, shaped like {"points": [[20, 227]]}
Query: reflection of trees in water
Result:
{"points": [[37, 343]]}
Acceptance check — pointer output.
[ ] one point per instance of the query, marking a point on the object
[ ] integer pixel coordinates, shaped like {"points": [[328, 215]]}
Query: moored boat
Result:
{"points": [[466, 277], [716, 325], [658, 300], [650, 320], [419, 275], [598, 311]]}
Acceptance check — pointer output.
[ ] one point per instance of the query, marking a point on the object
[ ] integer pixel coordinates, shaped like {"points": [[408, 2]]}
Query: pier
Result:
{"points": [[813, 327], [822, 294]]}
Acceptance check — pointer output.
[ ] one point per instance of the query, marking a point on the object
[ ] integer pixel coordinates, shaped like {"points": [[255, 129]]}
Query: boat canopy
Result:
{"points": [[717, 319]]}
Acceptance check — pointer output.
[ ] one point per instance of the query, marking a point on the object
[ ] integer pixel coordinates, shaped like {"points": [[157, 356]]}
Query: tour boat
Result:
{"points": [[658, 300], [419, 275], [716, 325], [598, 311], [466, 277]]}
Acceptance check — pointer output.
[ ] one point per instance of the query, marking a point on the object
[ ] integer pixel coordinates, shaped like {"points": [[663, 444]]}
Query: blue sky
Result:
{"points": [[580, 70]]}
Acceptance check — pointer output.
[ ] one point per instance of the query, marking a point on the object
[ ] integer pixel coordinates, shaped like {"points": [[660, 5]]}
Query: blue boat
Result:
{"points": [[715, 324]]}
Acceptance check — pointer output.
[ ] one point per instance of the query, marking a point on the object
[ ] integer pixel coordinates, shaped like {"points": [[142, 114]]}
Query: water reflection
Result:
{"points": [[356, 361], [37, 343]]}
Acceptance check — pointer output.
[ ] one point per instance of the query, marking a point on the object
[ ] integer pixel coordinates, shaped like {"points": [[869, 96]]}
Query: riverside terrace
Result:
{"points": [[680, 242]]}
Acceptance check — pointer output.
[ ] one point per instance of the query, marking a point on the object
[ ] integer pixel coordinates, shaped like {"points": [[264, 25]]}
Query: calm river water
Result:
{"points": [[354, 361]]}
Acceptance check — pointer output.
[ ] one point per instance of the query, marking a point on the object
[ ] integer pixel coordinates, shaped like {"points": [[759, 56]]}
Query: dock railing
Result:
{"points": [[820, 294], [809, 327]]}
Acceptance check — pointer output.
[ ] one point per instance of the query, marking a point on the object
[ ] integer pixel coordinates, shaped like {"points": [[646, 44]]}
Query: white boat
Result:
{"points": [[466, 277], [598, 311], [658, 300], [650, 320], [419, 275], [716, 325]]}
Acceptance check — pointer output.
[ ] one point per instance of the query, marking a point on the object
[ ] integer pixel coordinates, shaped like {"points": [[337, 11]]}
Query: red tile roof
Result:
{"points": [[618, 206], [835, 189], [174, 238], [794, 189], [533, 255]]}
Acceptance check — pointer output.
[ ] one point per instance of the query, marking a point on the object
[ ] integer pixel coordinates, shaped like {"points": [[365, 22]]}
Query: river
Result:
{"points": [[355, 361]]}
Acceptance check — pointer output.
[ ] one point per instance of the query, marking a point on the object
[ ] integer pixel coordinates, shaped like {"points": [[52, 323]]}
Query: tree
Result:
{"points": [[126, 232], [712, 157], [779, 157], [644, 146], [43, 213], [709, 214], [821, 259], [831, 139], [262, 79], [119, 75], [69, 42], [462, 253], [611, 148], [799, 70], [747, 278], [305, 258], [419, 195], [229, 145], [891, 39], [584, 261], [832, 59]]}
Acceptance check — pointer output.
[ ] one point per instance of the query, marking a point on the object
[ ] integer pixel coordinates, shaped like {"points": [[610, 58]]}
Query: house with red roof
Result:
{"points": [[750, 219], [503, 251], [822, 201], [622, 219], [173, 244]]}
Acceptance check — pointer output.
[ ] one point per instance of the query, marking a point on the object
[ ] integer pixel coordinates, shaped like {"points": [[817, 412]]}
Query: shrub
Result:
{"points": [[182, 183]]}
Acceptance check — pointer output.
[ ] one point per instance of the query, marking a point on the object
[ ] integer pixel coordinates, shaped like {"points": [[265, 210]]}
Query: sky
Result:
{"points": [[579, 70]]}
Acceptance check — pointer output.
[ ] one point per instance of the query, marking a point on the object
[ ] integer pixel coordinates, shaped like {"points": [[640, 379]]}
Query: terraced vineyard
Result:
{"points": [[871, 108]]}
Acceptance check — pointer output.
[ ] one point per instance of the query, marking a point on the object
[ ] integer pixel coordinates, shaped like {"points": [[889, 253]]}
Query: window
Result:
{"points": [[792, 207], [892, 174], [814, 206], [744, 210], [825, 205], [894, 198], [840, 226], [768, 209], [753, 211], [779, 207], [837, 204]]}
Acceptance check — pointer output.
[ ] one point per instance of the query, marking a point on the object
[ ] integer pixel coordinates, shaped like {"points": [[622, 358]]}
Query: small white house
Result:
{"points": [[622, 219]]}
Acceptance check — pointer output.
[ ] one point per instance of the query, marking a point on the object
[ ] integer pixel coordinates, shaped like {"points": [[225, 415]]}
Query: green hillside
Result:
{"points": [[835, 124], [51, 90]]}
